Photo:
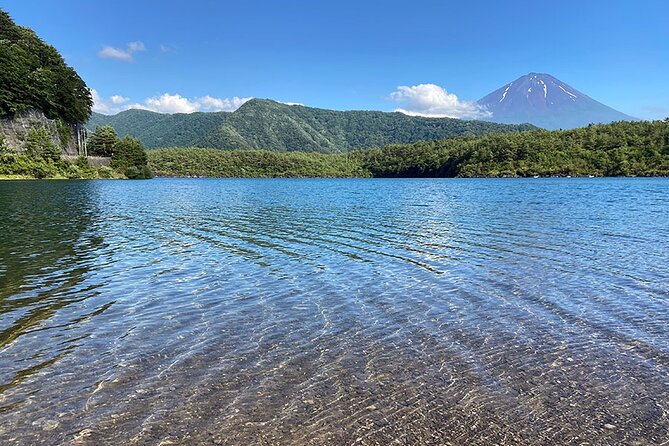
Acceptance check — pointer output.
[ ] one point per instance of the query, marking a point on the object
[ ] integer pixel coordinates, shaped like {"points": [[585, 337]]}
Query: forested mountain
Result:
{"points": [[547, 102], [34, 76], [619, 149], [270, 125]]}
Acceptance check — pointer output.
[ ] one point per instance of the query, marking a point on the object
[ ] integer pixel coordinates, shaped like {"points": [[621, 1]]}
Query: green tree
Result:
{"points": [[102, 141], [35, 76], [63, 132], [130, 158], [4, 146], [40, 145]]}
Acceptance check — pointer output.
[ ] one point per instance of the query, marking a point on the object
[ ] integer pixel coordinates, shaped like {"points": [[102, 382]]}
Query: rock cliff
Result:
{"points": [[71, 138]]}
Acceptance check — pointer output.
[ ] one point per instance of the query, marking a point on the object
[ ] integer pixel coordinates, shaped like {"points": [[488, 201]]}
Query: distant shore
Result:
{"points": [[622, 149]]}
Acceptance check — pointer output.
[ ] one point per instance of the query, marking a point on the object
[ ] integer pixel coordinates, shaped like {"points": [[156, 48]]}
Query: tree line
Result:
{"points": [[617, 149]]}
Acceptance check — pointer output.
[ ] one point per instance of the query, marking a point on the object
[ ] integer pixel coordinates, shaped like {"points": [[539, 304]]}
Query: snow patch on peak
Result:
{"points": [[505, 92], [573, 96], [527, 100]]}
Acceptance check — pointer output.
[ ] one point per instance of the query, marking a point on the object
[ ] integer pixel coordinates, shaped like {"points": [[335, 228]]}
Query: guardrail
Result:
{"points": [[94, 161]]}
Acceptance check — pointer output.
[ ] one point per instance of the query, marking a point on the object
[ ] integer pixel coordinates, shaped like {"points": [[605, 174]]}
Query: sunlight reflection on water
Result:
{"points": [[334, 312]]}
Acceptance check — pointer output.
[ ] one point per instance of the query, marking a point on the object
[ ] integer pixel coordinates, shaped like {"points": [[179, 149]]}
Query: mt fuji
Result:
{"points": [[547, 102]]}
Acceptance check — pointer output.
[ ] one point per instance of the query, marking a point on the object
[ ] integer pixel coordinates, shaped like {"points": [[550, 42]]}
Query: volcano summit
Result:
{"points": [[547, 102]]}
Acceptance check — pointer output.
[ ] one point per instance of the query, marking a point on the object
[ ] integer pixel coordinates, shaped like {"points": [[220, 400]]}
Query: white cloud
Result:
{"points": [[109, 52], [290, 103], [433, 101], [175, 103], [167, 48], [168, 103], [207, 103], [117, 99], [126, 55], [107, 106], [165, 103], [134, 47]]}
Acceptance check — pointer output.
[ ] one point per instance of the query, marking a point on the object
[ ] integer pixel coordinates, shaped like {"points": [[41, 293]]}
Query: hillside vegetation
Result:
{"points": [[199, 162], [618, 149], [262, 124], [42, 101], [35, 76]]}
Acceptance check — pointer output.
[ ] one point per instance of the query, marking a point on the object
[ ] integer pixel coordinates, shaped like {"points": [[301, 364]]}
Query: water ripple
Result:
{"points": [[312, 312]]}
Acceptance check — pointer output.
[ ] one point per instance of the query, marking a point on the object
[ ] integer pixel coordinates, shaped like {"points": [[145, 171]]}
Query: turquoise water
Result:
{"points": [[468, 312]]}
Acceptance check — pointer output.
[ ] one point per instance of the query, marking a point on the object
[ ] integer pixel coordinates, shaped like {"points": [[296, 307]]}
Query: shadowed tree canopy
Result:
{"points": [[35, 76]]}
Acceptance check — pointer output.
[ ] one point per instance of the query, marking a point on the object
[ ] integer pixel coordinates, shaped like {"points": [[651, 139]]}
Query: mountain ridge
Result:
{"points": [[271, 125]]}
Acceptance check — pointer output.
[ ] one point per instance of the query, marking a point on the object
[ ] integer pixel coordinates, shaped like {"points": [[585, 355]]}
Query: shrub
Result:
{"points": [[72, 171], [130, 158], [105, 172], [132, 173], [5, 148], [82, 162], [41, 169], [39, 145]]}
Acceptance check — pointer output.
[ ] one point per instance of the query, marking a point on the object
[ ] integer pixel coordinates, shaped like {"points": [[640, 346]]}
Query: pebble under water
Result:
{"points": [[334, 312]]}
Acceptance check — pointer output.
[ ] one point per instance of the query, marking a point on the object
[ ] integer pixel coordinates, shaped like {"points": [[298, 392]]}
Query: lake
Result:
{"points": [[317, 311]]}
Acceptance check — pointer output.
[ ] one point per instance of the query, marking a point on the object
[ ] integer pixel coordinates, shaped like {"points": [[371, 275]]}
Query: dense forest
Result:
{"points": [[35, 76], [262, 124], [199, 162], [618, 149]]}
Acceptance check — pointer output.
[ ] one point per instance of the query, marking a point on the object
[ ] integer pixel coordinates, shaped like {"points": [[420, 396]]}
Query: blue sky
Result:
{"points": [[202, 54]]}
